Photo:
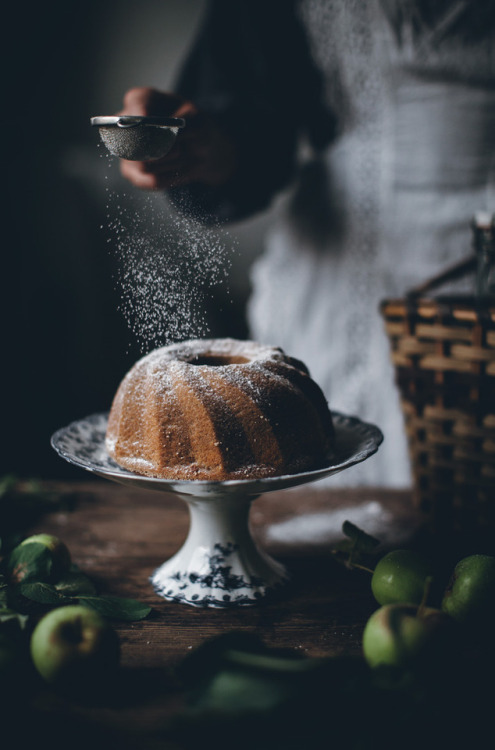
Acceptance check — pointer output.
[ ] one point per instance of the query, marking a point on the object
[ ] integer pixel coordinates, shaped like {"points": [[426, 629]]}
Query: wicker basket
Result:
{"points": [[443, 350]]}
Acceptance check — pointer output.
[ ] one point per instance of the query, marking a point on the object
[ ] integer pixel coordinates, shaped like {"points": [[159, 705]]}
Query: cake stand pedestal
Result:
{"points": [[219, 564]]}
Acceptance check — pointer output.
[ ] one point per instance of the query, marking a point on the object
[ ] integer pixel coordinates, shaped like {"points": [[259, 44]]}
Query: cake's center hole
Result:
{"points": [[218, 361]]}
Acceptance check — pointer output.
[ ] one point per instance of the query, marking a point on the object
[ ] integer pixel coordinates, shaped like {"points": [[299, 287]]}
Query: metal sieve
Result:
{"points": [[138, 138]]}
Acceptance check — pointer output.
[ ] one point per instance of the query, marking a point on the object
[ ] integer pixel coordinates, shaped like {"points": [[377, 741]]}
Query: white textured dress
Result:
{"points": [[389, 203]]}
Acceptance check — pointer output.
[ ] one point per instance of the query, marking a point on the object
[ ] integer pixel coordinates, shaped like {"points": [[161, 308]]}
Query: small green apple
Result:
{"points": [[74, 647], [399, 635], [41, 557], [58, 550], [400, 577], [470, 593]]}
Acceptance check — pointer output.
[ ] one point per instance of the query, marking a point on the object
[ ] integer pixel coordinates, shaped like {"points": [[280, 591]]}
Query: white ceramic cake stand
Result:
{"points": [[219, 564]]}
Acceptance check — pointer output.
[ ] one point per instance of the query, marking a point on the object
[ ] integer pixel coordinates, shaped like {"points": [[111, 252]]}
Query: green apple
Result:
{"points": [[470, 594], [400, 635], [58, 550], [41, 557], [74, 647], [400, 576]]}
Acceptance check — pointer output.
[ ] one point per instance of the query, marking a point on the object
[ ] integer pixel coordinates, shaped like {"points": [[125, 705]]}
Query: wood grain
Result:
{"points": [[118, 537]]}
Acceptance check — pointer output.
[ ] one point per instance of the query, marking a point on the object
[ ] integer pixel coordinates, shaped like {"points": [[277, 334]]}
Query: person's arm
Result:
{"points": [[251, 70], [248, 89]]}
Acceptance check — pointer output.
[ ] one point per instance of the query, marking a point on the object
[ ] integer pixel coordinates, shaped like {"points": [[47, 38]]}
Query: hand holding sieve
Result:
{"points": [[138, 138]]}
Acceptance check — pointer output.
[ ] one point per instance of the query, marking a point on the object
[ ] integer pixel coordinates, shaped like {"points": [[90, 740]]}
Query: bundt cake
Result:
{"points": [[219, 409]]}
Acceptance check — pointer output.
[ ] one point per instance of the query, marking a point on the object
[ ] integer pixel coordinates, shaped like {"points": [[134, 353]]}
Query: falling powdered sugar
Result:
{"points": [[168, 267]]}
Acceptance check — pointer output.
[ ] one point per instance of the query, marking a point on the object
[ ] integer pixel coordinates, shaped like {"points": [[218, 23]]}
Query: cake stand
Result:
{"points": [[219, 564]]}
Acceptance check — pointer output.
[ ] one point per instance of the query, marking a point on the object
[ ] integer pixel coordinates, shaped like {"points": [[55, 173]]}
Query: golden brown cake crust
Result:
{"points": [[218, 409]]}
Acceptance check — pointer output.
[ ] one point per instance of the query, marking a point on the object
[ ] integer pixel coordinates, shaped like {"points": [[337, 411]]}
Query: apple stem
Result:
{"points": [[426, 593], [361, 567], [352, 564]]}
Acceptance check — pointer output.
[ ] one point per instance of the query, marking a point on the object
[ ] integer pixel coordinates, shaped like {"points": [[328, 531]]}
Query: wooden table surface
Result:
{"points": [[119, 536]]}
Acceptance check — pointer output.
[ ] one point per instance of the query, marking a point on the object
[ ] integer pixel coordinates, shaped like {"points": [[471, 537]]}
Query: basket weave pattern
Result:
{"points": [[444, 358]]}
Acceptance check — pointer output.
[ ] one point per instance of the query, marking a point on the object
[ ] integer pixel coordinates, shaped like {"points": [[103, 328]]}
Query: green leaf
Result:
{"points": [[233, 692], [357, 549], [4, 589], [115, 607], [19, 603], [8, 616], [30, 562], [43, 593], [76, 584], [362, 542], [206, 658]]}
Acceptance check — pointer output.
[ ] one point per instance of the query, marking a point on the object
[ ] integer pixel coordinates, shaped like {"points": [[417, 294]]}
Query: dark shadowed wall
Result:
{"points": [[65, 343]]}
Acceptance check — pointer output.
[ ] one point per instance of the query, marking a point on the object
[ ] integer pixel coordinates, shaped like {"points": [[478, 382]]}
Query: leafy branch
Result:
{"points": [[357, 550]]}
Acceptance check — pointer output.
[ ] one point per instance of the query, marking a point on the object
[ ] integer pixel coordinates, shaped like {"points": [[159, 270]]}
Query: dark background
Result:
{"points": [[66, 344]]}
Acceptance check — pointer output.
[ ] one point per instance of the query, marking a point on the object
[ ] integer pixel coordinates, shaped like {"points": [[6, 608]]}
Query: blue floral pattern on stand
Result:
{"points": [[219, 580]]}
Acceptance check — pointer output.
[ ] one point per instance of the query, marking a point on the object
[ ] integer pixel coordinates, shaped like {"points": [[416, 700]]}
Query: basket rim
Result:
{"points": [[467, 308]]}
